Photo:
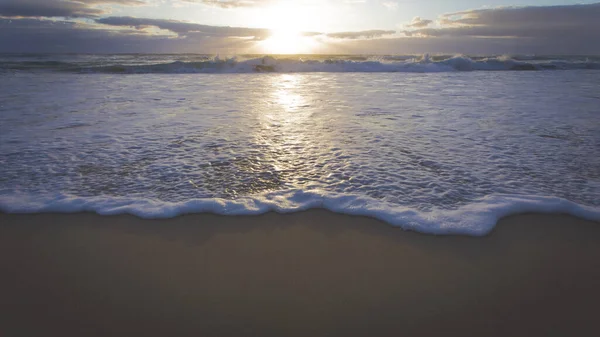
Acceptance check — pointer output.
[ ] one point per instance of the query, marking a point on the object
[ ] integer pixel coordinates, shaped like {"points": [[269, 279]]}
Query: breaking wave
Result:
{"points": [[142, 64]]}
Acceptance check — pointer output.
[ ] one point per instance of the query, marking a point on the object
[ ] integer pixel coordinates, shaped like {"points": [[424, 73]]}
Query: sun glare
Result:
{"points": [[286, 22], [287, 42]]}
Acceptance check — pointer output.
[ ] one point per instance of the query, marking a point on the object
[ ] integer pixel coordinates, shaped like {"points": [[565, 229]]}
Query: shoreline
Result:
{"points": [[307, 273]]}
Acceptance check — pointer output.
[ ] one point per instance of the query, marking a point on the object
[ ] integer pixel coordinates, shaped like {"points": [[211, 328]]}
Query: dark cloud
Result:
{"points": [[184, 28], [116, 2], [417, 22], [543, 16], [46, 8], [567, 29], [366, 34], [550, 22], [231, 3], [58, 8], [47, 36], [538, 30]]}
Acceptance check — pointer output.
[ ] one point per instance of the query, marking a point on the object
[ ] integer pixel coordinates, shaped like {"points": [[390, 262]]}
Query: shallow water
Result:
{"points": [[442, 152]]}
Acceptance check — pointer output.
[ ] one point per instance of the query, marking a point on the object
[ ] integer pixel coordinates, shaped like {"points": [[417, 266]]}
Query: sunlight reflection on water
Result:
{"points": [[437, 141]]}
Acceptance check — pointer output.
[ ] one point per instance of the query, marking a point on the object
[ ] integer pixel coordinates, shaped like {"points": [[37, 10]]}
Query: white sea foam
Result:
{"points": [[475, 219], [443, 153], [292, 65], [299, 64]]}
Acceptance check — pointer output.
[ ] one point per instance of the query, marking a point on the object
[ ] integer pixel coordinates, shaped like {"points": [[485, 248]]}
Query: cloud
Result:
{"points": [[116, 2], [230, 3], [46, 8], [185, 28], [58, 8], [391, 5], [441, 45], [49, 36], [259, 3], [417, 22], [547, 22], [366, 34], [510, 30]]}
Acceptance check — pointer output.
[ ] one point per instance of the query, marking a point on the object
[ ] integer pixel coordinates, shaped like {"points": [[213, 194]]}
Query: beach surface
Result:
{"points": [[312, 273]]}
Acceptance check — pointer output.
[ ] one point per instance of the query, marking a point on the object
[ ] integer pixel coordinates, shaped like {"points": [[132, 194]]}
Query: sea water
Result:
{"points": [[442, 145]]}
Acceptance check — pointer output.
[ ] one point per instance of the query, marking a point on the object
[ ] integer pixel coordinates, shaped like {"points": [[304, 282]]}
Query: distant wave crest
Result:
{"points": [[299, 64]]}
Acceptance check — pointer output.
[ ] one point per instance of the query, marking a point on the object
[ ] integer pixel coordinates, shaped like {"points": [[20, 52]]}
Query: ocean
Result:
{"points": [[440, 144]]}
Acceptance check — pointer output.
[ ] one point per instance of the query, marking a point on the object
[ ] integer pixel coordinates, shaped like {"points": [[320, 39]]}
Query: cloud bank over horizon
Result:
{"points": [[60, 8], [91, 26]]}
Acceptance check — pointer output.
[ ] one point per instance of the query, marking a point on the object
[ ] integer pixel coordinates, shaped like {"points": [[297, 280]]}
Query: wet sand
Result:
{"points": [[313, 273]]}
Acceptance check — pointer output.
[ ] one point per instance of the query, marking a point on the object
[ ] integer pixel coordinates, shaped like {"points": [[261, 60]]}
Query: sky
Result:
{"points": [[232, 27]]}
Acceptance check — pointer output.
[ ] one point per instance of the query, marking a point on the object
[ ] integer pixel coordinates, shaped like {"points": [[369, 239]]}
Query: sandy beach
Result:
{"points": [[141, 139], [314, 273]]}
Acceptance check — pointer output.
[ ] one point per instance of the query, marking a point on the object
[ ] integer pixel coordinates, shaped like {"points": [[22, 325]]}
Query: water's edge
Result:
{"points": [[475, 219]]}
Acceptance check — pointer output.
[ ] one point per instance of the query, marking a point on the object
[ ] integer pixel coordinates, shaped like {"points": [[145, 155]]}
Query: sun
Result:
{"points": [[287, 22], [287, 42]]}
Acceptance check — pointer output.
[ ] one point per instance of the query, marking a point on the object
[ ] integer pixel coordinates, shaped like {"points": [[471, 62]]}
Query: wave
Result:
{"points": [[475, 219], [299, 64]]}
